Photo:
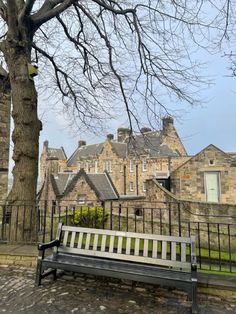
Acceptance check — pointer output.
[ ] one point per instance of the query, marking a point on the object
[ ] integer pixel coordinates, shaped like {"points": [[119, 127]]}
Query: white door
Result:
{"points": [[212, 187]]}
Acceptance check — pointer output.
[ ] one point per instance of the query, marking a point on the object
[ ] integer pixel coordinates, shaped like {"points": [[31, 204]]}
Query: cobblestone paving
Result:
{"points": [[86, 295]]}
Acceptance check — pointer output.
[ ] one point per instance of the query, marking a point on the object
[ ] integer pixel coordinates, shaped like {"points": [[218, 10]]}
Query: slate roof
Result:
{"points": [[101, 183], [150, 143], [85, 152], [61, 181], [56, 153], [119, 148]]}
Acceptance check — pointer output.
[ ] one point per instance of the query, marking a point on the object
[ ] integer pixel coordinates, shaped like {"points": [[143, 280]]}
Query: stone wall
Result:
{"points": [[5, 107]]}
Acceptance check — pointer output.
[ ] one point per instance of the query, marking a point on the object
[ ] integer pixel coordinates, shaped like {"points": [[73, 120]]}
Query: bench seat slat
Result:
{"points": [[140, 259]]}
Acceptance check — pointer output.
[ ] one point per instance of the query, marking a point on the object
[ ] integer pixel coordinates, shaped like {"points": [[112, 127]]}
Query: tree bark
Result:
{"points": [[22, 198]]}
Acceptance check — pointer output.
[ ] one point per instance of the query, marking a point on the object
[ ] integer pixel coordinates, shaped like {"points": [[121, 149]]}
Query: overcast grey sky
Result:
{"points": [[213, 122]]}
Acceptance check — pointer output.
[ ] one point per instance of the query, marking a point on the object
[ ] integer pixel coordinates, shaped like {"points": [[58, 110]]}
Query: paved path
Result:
{"points": [[89, 296]]}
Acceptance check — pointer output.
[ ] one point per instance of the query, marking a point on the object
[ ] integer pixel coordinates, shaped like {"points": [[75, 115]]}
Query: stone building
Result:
{"points": [[5, 108], [209, 176], [129, 159], [70, 189]]}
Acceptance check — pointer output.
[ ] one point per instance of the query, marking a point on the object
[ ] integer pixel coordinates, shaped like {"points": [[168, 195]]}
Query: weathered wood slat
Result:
{"points": [[173, 251], [183, 252], [154, 249], [80, 241], [87, 241], [136, 247], [163, 250], [141, 259], [65, 238], [145, 248], [119, 247], [72, 240], [128, 245], [128, 234], [95, 242], [103, 245], [111, 244]]}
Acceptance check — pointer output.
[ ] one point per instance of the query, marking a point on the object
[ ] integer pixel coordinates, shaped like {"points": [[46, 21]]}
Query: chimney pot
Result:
{"points": [[81, 143], [110, 137]]}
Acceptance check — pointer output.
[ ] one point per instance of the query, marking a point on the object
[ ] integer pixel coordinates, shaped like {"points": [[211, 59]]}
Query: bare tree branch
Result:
{"points": [[48, 12]]}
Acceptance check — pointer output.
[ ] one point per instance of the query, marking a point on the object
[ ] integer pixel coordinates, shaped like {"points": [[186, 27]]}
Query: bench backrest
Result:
{"points": [[162, 250]]}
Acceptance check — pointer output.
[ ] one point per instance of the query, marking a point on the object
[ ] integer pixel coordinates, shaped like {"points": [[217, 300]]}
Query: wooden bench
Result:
{"points": [[156, 259]]}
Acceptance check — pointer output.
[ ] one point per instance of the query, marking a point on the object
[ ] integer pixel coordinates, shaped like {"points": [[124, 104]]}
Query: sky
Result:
{"points": [[212, 122]]}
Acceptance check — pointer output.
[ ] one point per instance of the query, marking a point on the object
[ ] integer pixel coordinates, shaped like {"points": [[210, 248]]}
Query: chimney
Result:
{"points": [[145, 130], [122, 134], [81, 143], [167, 124], [45, 144], [110, 137]]}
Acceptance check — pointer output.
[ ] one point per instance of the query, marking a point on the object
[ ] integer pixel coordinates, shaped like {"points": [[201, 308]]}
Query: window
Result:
{"points": [[108, 165], [131, 186], [81, 199], [131, 165], [96, 167], [144, 186], [145, 164]]}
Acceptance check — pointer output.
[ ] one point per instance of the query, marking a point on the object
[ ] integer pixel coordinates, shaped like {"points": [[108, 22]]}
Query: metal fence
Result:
{"points": [[215, 235]]}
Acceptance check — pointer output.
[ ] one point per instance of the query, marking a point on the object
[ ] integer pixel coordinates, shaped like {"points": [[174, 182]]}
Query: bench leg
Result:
{"points": [[54, 274], [38, 273], [194, 297]]}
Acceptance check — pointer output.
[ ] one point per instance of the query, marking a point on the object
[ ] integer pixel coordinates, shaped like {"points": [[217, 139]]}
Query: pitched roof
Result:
{"points": [[85, 152], [201, 151], [56, 153], [61, 181], [150, 143], [100, 183], [119, 148]]}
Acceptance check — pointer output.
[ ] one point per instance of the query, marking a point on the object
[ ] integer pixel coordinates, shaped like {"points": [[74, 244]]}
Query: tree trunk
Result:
{"points": [[22, 198]]}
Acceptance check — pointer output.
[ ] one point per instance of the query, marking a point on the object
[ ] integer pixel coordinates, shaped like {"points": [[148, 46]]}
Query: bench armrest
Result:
{"points": [[44, 246]]}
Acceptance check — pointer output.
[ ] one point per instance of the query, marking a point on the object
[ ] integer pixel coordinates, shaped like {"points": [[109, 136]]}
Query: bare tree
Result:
{"points": [[93, 53]]}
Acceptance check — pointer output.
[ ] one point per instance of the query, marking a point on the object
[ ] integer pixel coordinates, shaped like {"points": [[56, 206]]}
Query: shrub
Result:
{"points": [[85, 216]]}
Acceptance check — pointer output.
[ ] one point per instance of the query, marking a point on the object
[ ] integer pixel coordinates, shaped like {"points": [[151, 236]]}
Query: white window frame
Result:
{"points": [[144, 186], [131, 186], [96, 166], [144, 164], [108, 166], [81, 199], [131, 165]]}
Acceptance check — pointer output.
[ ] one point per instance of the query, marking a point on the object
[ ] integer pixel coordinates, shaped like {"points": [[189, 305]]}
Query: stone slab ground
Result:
{"points": [[89, 295]]}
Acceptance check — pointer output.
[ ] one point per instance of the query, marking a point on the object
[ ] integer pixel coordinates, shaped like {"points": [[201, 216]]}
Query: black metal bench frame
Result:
{"points": [[103, 253]]}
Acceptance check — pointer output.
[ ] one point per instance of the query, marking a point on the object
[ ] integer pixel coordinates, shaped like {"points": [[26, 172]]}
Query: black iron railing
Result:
{"points": [[215, 234]]}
